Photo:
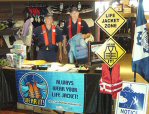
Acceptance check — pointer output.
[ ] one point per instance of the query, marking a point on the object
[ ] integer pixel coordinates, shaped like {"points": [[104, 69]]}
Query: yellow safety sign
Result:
{"points": [[110, 52], [110, 21]]}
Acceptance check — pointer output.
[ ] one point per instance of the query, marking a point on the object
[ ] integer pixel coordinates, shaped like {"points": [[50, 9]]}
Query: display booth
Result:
{"points": [[60, 91], [37, 72]]}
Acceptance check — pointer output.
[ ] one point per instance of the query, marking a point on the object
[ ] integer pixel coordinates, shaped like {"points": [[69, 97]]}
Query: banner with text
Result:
{"points": [[54, 90]]}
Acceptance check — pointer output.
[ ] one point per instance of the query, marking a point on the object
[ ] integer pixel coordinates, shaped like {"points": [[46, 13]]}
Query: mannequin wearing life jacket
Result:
{"points": [[74, 25], [47, 36]]}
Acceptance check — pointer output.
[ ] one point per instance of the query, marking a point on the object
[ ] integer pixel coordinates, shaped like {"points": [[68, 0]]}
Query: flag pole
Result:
{"points": [[135, 74], [135, 64]]}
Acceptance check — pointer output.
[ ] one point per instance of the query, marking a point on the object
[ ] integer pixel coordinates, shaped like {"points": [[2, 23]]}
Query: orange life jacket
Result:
{"points": [[110, 83], [78, 26], [45, 35]]}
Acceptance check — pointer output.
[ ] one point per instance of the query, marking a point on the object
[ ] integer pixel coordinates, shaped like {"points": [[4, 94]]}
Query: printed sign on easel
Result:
{"points": [[132, 99]]}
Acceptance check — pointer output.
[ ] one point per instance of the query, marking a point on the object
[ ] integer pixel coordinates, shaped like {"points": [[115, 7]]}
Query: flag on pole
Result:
{"points": [[140, 53]]}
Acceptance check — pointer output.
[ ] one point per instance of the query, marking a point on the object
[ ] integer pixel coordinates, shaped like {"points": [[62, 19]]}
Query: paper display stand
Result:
{"points": [[133, 99], [93, 58], [16, 58]]}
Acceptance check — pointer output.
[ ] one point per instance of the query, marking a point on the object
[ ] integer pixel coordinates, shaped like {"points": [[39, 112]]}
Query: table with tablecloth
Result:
{"points": [[94, 102], [8, 92]]}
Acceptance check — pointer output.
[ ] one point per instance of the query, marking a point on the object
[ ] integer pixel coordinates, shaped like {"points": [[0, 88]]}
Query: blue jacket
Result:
{"points": [[78, 48]]}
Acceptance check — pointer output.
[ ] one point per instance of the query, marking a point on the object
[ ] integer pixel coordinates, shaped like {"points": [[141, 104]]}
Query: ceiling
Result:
{"points": [[47, 0], [16, 9]]}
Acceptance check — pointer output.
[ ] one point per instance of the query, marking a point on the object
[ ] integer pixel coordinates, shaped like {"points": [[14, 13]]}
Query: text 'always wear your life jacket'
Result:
{"points": [[110, 83], [79, 22], [45, 35]]}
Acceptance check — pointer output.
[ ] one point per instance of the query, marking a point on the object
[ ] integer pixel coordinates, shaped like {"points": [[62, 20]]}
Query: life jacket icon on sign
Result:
{"points": [[33, 89], [131, 100], [111, 54]]}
